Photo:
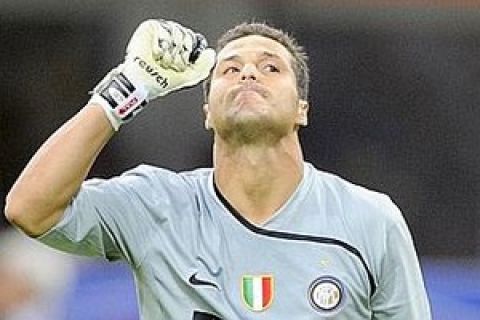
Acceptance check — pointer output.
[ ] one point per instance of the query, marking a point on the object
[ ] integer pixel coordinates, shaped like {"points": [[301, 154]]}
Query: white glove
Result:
{"points": [[162, 56]]}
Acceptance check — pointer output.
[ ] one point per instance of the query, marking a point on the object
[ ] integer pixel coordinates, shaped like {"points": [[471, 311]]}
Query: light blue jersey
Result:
{"points": [[333, 251]]}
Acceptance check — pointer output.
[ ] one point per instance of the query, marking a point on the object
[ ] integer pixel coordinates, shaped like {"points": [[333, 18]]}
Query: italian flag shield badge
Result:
{"points": [[257, 291]]}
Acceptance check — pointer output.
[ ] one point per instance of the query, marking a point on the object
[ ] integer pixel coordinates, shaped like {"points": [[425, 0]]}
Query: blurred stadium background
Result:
{"points": [[394, 106]]}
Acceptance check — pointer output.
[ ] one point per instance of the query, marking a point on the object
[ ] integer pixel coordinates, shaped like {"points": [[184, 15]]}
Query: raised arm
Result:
{"points": [[51, 178], [162, 56]]}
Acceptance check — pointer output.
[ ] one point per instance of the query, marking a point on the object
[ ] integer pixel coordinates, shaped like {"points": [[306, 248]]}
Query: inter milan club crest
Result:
{"points": [[257, 291], [327, 295]]}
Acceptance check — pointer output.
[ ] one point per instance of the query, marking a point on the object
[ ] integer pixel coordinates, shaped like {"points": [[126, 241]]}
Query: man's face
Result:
{"points": [[253, 90]]}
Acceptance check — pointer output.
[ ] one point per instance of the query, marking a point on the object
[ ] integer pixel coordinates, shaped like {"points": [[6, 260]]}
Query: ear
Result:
{"points": [[302, 113], [207, 117]]}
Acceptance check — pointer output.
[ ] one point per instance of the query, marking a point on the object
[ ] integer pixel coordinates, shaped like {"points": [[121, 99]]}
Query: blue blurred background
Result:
{"points": [[394, 107]]}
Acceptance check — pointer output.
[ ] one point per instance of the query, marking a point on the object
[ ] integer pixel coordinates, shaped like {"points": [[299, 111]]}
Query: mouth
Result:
{"points": [[249, 88]]}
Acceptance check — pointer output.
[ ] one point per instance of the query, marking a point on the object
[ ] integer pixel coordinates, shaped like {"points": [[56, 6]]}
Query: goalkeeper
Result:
{"points": [[261, 235]]}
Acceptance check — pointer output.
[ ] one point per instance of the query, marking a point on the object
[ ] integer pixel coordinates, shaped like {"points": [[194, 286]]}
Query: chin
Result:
{"points": [[252, 130]]}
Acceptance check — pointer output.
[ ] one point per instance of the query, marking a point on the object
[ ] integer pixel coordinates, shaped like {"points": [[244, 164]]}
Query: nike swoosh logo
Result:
{"points": [[198, 315], [198, 282]]}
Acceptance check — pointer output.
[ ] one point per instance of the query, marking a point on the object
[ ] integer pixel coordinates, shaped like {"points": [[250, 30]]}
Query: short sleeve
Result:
{"points": [[115, 218]]}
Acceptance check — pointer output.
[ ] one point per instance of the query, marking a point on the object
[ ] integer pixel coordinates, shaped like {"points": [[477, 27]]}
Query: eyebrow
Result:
{"points": [[267, 54]]}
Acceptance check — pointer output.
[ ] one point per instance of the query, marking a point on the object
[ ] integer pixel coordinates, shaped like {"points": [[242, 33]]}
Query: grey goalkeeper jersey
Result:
{"points": [[333, 251]]}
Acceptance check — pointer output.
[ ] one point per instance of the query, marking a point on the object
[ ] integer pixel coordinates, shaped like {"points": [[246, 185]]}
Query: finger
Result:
{"points": [[200, 70], [178, 46], [199, 46], [140, 42], [162, 42], [188, 45]]}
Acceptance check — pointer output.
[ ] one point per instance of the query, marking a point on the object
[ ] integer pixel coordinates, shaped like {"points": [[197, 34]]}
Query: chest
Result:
{"points": [[236, 272]]}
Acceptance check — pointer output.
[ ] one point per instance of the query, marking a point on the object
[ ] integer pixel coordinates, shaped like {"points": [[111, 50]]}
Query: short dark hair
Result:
{"points": [[299, 63]]}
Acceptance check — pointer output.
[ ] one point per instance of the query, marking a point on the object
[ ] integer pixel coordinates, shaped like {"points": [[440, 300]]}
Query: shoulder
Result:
{"points": [[147, 179], [152, 174], [357, 200]]}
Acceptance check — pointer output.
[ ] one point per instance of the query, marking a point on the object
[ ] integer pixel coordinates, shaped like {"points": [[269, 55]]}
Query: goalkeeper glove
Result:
{"points": [[161, 57]]}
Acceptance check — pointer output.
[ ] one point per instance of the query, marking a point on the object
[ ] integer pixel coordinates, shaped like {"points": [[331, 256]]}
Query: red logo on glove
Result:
{"points": [[122, 111]]}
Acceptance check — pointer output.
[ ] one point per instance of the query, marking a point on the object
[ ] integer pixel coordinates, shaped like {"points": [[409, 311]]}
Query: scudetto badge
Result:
{"points": [[326, 294], [257, 291]]}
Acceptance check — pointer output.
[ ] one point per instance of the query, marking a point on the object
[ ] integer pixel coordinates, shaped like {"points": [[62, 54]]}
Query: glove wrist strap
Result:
{"points": [[119, 97]]}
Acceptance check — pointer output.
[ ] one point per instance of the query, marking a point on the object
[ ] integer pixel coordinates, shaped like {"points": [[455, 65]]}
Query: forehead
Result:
{"points": [[254, 45]]}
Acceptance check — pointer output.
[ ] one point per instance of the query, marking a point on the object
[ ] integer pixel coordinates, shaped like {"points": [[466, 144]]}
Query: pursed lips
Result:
{"points": [[250, 87]]}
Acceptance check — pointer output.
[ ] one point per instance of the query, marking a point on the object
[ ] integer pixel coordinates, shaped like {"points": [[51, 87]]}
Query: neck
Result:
{"points": [[258, 179]]}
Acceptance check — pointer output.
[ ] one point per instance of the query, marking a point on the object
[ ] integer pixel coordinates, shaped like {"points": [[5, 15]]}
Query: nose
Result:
{"points": [[248, 72]]}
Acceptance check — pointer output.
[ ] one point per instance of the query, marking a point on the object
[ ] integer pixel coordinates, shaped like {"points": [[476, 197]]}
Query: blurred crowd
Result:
{"points": [[34, 278], [40, 283]]}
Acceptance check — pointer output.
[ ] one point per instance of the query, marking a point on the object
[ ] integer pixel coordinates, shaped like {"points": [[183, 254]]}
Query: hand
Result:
{"points": [[162, 56], [166, 56]]}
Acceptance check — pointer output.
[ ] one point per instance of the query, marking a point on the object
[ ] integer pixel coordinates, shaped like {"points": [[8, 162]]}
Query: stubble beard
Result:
{"points": [[259, 130], [248, 121]]}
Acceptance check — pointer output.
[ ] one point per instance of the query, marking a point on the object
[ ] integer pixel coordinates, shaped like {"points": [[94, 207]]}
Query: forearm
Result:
{"points": [[54, 174], [44, 189]]}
